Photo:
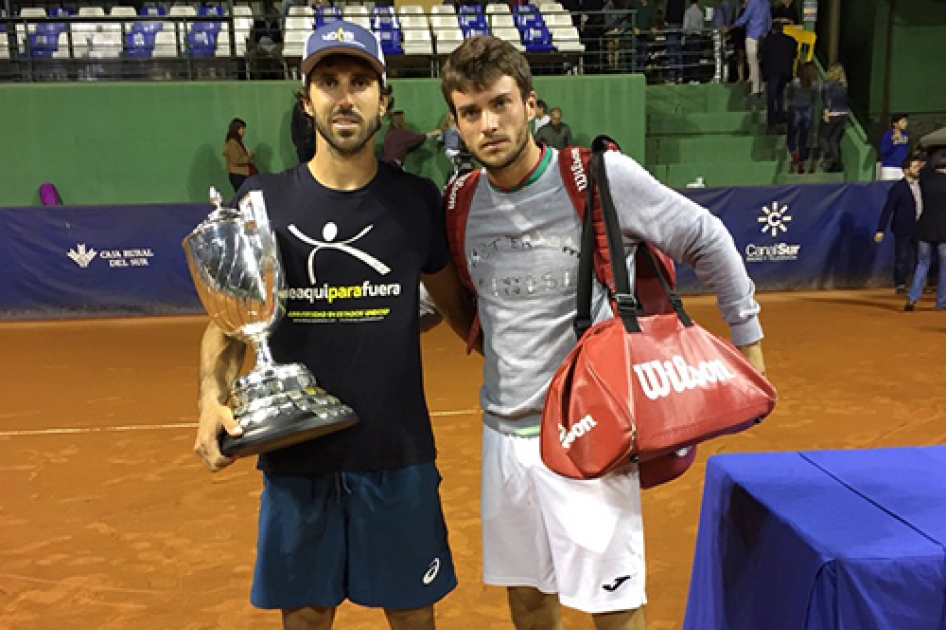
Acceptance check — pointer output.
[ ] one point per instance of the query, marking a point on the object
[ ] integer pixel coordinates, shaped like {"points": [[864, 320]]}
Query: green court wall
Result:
{"points": [[127, 143]]}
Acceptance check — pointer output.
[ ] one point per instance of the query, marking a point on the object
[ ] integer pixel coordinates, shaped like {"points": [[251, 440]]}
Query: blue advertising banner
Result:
{"points": [[60, 261], [816, 236]]}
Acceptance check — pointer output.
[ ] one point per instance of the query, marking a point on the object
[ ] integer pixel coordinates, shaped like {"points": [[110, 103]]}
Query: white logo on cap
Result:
{"points": [[341, 35]]}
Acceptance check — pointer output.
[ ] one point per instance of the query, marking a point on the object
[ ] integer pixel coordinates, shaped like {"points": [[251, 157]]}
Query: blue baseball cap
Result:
{"points": [[342, 38]]}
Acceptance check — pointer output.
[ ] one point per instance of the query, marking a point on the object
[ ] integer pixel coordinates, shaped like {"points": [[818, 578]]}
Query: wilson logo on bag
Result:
{"points": [[659, 378]]}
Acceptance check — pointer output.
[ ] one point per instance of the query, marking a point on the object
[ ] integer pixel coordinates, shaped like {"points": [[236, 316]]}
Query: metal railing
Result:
{"points": [[69, 48]]}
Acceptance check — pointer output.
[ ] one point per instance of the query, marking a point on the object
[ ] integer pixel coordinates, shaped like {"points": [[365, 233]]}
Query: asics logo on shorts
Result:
{"points": [[616, 584], [432, 572]]}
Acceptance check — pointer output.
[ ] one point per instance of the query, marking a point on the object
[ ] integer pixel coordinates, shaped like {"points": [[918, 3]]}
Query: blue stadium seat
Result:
{"points": [[153, 11], [210, 9], [50, 28], [537, 39], [390, 41], [206, 27], [473, 31], [527, 16], [147, 27], [42, 46], [470, 19], [326, 15], [61, 11], [139, 44], [384, 19], [201, 43]]}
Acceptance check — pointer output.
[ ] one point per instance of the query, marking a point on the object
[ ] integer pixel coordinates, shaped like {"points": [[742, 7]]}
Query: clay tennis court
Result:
{"points": [[109, 522]]}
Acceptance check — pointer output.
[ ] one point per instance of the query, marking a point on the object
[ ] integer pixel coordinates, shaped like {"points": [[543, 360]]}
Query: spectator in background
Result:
{"points": [[757, 20], [303, 133], [673, 24], [692, 41], [616, 23], [903, 207], [800, 98], [239, 159], [556, 134], [785, 12], [644, 28], [722, 14], [541, 116], [894, 148], [461, 161], [399, 139], [739, 71], [264, 47], [592, 34], [833, 118], [778, 52], [722, 19], [931, 232]]}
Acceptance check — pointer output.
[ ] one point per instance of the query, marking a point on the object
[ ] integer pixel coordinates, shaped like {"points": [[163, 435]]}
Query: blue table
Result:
{"points": [[839, 540]]}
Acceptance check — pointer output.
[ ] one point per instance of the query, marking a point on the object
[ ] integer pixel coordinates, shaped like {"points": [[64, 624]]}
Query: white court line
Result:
{"points": [[159, 427]]}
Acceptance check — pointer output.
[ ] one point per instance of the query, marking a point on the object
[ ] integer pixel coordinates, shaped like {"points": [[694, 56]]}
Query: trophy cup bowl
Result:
{"points": [[233, 259]]}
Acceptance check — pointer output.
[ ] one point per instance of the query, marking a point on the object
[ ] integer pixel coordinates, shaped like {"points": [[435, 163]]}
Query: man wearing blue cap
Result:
{"points": [[356, 514]]}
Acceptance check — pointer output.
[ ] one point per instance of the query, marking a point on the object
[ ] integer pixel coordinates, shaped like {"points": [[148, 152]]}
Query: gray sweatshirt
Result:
{"points": [[522, 252]]}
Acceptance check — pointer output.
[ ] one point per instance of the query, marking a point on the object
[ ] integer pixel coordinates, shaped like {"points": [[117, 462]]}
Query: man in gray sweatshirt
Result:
{"points": [[546, 538]]}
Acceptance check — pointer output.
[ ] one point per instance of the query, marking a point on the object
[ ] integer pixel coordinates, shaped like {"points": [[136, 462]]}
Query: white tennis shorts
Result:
{"points": [[581, 539]]}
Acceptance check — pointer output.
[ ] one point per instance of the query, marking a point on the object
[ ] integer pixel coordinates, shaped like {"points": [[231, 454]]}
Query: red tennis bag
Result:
{"points": [[639, 387]]}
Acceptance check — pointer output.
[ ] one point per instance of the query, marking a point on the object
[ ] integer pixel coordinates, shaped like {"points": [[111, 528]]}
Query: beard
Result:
{"points": [[498, 162], [348, 143]]}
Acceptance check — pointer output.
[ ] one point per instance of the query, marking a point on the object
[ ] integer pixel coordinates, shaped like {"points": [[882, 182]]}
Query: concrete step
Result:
{"points": [[746, 122], [716, 174], [713, 148], [702, 98]]}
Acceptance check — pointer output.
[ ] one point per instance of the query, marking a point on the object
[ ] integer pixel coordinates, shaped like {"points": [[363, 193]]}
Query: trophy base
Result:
{"points": [[293, 427], [280, 406]]}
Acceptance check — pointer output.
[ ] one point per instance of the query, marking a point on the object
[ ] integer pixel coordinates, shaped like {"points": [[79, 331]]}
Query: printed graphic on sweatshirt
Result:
{"points": [[550, 264]]}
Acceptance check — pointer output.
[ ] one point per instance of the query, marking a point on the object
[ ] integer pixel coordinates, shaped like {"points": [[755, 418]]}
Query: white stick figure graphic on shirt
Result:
{"points": [[329, 232]]}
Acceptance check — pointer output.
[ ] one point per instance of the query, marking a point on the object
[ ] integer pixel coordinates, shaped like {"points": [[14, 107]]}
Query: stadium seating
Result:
{"points": [[510, 35], [326, 15], [201, 43], [472, 21], [357, 14], [447, 33], [139, 44], [415, 30], [390, 41], [203, 29], [537, 39]]}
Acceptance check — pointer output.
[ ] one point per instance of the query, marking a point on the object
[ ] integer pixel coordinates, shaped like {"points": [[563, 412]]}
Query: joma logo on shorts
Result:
{"points": [[580, 428], [657, 378]]}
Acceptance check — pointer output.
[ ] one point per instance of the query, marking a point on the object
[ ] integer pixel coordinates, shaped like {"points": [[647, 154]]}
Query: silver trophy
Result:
{"points": [[233, 258]]}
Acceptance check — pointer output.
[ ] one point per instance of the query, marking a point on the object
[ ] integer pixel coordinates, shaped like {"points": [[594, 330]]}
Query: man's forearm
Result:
{"points": [[220, 360]]}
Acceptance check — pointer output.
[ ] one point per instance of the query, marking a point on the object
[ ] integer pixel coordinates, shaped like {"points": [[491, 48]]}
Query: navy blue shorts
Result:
{"points": [[378, 539]]}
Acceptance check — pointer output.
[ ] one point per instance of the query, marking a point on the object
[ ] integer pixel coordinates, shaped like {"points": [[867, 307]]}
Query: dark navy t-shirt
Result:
{"points": [[352, 263]]}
